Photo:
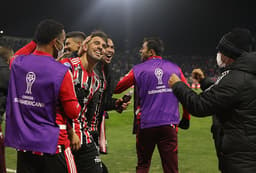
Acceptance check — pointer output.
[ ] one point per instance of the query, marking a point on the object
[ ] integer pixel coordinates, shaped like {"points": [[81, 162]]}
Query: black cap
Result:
{"points": [[236, 42]]}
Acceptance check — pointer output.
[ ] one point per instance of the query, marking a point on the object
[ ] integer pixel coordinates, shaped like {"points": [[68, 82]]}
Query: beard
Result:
{"points": [[143, 58], [93, 56]]}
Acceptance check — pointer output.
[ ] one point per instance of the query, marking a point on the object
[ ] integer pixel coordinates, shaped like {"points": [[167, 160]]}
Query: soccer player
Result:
{"points": [[40, 99], [102, 100], [73, 42], [86, 84], [156, 107]]}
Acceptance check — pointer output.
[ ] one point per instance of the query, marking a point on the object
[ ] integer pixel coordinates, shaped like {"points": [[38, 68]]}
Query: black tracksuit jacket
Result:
{"points": [[233, 99]]}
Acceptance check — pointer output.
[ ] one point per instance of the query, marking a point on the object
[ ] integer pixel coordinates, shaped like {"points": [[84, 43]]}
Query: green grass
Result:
{"points": [[195, 147]]}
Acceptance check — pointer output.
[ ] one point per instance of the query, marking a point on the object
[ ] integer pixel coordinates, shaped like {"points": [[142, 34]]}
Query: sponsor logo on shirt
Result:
{"points": [[67, 64]]}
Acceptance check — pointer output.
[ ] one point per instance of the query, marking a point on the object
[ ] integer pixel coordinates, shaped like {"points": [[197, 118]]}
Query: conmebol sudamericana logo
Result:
{"points": [[30, 79], [159, 74]]}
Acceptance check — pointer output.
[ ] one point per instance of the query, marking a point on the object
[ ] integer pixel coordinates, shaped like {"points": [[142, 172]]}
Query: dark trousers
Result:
{"points": [[235, 162], [238, 162], [87, 159], [165, 137], [95, 136], [31, 163], [217, 135], [2, 153]]}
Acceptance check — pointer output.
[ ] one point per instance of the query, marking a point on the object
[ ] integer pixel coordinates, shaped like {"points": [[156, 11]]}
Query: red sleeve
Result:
{"points": [[68, 97], [125, 83], [67, 62], [26, 50], [64, 60], [185, 114]]}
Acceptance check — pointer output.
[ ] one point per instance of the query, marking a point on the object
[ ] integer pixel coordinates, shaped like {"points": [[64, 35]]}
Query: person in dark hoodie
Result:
{"points": [[232, 99]]}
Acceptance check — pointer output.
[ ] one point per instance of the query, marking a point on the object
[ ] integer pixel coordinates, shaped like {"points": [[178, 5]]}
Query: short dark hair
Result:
{"points": [[101, 34], [156, 44], [76, 34], [47, 30]]}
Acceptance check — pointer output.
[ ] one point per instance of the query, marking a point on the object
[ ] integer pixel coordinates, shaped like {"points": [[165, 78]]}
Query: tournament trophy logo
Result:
{"points": [[30, 79], [159, 75]]}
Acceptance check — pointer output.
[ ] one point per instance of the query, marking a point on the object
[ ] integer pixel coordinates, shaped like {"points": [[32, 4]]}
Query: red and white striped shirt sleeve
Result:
{"points": [[68, 97]]}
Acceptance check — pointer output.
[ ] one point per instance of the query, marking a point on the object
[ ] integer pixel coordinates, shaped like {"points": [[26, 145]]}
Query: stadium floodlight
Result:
{"points": [[1, 31], [116, 1]]}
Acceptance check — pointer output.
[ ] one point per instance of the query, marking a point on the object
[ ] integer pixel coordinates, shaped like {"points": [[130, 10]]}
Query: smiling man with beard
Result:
{"points": [[102, 100], [86, 85]]}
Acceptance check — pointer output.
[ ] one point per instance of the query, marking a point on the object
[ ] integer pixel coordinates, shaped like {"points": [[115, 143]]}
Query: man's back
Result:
{"points": [[158, 104], [33, 97]]}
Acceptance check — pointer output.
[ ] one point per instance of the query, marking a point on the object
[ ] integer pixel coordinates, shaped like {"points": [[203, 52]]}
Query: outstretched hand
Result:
{"points": [[173, 79]]}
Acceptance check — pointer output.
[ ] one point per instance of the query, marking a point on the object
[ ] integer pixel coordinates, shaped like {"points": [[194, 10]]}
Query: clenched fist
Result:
{"points": [[173, 79], [198, 74]]}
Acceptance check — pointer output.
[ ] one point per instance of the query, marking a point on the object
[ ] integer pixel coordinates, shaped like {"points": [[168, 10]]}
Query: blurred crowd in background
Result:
{"points": [[124, 60]]}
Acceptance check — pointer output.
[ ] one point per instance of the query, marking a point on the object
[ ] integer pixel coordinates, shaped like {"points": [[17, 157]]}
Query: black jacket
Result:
{"points": [[102, 100], [4, 80], [109, 103], [206, 83], [233, 99]]}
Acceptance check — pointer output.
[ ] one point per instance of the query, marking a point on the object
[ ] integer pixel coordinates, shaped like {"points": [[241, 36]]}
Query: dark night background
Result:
{"points": [[186, 26]]}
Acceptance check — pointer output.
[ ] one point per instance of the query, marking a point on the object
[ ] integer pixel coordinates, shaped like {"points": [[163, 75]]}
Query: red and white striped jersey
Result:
{"points": [[86, 84], [97, 98]]}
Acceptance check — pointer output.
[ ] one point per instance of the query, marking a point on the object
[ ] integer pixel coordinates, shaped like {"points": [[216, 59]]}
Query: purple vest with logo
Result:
{"points": [[158, 105], [31, 104]]}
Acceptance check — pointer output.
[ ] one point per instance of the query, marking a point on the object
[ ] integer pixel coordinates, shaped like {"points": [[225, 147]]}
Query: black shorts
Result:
{"points": [[87, 159], [63, 162]]}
